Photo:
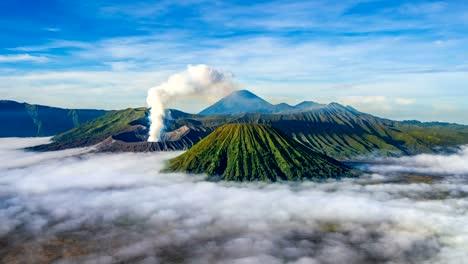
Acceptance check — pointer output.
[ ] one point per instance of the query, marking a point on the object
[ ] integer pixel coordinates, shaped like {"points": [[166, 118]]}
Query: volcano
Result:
{"points": [[254, 152], [243, 101], [238, 102]]}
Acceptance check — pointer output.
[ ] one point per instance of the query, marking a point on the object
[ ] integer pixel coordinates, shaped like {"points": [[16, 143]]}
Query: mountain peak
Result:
{"points": [[306, 103], [241, 101], [243, 93], [337, 105], [244, 101]]}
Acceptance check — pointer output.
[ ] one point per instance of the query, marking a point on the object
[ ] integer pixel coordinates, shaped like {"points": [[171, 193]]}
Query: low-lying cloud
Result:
{"points": [[384, 105], [75, 206], [453, 164]]}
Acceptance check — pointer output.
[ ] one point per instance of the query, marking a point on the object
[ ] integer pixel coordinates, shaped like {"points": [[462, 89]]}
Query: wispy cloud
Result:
{"points": [[54, 44], [137, 9], [404, 101], [311, 68], [11, 58], [423, 8], [354, 100], [324, 50], [380, 105], [61, 88], [51, 29]]}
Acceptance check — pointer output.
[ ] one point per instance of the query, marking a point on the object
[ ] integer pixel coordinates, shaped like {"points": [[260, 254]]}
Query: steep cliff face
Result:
{"points": [[253, 152], [26, 120]]}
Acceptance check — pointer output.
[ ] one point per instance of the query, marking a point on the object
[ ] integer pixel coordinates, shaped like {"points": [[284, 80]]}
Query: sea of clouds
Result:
{"points": [[118, 208]]}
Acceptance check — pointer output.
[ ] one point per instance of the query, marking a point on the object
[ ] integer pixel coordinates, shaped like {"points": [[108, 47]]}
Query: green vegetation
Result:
{"points": [[95, 131], [253, 152], [345, 133], [109, 124], [334, 130]]}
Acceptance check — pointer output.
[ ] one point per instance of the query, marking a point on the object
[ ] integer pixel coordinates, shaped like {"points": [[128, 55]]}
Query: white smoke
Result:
{"points": [[197, 80]]}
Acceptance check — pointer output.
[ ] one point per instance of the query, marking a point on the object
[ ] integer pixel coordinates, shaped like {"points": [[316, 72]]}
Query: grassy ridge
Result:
{"points": [[95, 131], [344, 133], [336, 131], [253, 152], [109, 124]]}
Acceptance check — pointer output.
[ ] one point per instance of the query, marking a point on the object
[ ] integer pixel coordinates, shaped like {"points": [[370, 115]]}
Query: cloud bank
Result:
{"points": [[454, 164], [118, 208]]}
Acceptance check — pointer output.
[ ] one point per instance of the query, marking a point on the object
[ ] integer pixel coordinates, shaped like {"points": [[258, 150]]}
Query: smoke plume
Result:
{"points": [[197, 80]]}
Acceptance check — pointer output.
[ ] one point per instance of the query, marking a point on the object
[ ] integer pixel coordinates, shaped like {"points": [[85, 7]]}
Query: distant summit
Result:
{"points": [[238, 102], [254, 152], [243, 101]]}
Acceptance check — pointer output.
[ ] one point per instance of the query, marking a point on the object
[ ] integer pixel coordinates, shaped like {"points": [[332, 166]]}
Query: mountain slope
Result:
{"points": [[93, 132], [253, 152], [26, 120], [345, 133], [127, 130], [335, 130], [338, 131]]}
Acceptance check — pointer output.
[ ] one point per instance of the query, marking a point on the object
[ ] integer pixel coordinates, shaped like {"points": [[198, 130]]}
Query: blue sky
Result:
{"points": [[396, 59]]}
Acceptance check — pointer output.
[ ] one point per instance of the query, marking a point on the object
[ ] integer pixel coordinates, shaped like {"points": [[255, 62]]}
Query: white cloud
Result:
{"points": [[428, 8], [445, 107], [309, 69], [137, 9], [51, 29], [55, 44], [96, 198], [10, 58], [376, 100], [454, 164], [357, 100], [95, 89], [404, 101], [122, 65], [308, 66]]}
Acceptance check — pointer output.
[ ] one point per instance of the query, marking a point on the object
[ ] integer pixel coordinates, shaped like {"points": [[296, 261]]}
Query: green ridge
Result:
{"points": [[345, 133], [335, 130], [96, 130], [254, 152]]}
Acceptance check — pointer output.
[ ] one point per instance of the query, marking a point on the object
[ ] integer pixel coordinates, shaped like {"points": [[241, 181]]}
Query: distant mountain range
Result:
{"points": [[27, 120], [338, 131], [243, 101]]}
